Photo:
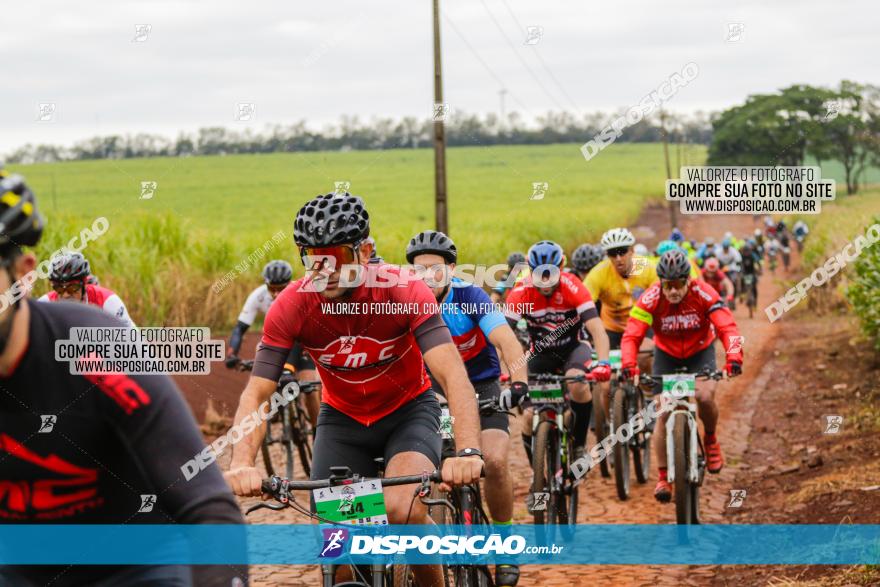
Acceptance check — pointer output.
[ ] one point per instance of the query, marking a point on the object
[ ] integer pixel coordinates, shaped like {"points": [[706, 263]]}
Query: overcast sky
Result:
{"points": [[319, 60]]}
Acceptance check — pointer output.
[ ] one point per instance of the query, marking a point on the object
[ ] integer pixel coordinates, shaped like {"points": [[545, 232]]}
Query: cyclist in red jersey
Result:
{"points": [[556, 304], [685, 314], [370, 345], [69, 277], [717, 278]]}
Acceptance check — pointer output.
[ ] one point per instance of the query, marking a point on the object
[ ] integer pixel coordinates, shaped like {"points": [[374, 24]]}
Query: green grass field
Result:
{"points": [[209, 213]]}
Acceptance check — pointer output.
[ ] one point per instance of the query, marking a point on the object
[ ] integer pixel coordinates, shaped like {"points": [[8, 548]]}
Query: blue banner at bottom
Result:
{"points": [[524, 544]]}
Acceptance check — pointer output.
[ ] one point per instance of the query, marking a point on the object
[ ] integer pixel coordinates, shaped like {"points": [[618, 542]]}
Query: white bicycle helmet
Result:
{"points": [[616, 238]]}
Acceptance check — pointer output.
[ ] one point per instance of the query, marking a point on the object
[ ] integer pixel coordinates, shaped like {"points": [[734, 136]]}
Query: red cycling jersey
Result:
{"points": [[553, 322], [683, 329], [362, 344], [716, 281]]}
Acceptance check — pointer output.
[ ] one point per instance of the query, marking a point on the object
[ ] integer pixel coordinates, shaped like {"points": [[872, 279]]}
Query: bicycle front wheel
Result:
{"points": [[621, 449], [684, 494], [542, 474]]}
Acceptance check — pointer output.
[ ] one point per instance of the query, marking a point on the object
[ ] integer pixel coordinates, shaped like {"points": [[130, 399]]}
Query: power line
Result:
{"points": [[518, 56], [484, 64], [541, 59]]}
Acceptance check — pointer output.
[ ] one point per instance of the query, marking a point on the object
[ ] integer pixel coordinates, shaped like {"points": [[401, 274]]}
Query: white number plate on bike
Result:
{"points": [[680, 385], [359, 503], [446, 421], [546, 393], [614, 359]]}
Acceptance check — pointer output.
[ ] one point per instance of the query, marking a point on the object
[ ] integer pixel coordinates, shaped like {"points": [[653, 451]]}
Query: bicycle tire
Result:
{"points": [[601, 430], [301, 438], [264, 450], [469, 515], [641, 442], [287, 442], [540, 480], [621, 449], [683, 493], [573, 489]]}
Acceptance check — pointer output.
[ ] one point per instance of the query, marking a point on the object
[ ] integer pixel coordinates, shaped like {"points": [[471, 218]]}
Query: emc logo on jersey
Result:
{"points": [[357, 352], [334, 541]]}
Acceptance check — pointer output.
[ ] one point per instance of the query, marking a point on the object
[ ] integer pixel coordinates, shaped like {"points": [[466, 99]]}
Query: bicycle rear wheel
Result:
{"points": [[684, 493], [264, 450], [302, 439], [621, 449], [287, 442]]}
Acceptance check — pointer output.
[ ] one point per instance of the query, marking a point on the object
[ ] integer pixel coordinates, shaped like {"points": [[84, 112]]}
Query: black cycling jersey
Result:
{"points": [[749, 263], [112, 439]]}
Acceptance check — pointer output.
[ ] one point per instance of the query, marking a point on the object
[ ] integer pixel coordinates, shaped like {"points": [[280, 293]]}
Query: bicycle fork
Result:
{"points": [[693, 470]]}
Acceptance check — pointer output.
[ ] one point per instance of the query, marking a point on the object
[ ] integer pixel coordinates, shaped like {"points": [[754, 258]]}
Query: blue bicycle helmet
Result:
{"points": [[676, 236], [545, 253]]}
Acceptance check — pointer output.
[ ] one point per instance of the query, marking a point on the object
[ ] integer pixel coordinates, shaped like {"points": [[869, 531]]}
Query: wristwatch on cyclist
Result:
{"points": [[470, 452]]}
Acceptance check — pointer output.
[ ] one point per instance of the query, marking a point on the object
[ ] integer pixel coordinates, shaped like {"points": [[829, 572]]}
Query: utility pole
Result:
{"points": [[673, 216], [440, 211]]}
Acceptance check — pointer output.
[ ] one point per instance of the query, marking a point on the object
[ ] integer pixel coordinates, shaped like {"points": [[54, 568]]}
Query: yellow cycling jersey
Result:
{"points": [[616, 293]]}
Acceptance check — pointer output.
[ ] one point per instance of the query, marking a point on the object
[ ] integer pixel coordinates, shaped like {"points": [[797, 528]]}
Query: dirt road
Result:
{"points": [[598, 499]]}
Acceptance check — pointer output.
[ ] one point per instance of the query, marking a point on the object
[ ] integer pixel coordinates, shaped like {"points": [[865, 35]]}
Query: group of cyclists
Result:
{"points": [[383, 377]]}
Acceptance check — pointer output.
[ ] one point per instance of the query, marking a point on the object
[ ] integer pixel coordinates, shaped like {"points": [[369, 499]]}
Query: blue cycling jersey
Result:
{"points": [[471, 316]]}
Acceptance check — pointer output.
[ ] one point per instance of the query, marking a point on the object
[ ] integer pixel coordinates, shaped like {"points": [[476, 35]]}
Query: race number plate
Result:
{"points": [[358, 504], [547, 393], [446, 421], [680, 385], [614, 359]]}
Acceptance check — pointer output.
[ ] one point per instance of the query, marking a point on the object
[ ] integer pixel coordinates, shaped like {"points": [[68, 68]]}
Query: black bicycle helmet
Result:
{"points": [[69, 267], [331, 219], [673, 264], [431, 242], [515, 259], [20, 221], [545, 253], [586, 256], [277, 272]]}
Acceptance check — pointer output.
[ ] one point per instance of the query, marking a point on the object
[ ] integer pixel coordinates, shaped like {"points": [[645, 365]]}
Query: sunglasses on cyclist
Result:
{"points": [[317, 257], [618, 252], [673, 283], [68, 287]]}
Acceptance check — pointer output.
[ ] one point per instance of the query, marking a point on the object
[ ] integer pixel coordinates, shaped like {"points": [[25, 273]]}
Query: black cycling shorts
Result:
{"points": [[666, 364], [553, 362], [490, 388], [300, 359], [340, 440]]}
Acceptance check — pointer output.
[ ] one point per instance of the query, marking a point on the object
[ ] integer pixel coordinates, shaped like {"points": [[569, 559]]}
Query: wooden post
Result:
{"points": [[440, 210]]}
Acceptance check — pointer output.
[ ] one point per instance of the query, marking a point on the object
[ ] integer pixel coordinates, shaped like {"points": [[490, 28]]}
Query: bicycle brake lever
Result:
{"points": [[267, 506]]}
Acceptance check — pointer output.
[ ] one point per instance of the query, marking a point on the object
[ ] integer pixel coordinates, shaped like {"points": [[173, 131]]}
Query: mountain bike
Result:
{"points": [[684, 447], [465, 501], [296, 429], [374, 575], [553, 497], [627, 400]]}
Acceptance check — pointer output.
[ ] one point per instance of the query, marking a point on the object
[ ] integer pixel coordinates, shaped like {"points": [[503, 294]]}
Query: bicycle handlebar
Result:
{"points": [[274, 485], [304, 386]]}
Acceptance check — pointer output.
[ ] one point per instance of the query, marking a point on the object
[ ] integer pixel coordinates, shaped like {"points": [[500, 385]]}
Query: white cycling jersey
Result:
{"points": [[101, 297], [257, 302], [730, 258]]}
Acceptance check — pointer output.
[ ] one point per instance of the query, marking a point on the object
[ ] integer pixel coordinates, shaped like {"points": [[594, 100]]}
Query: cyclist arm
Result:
{"points": [[114, 306], [600, 338], [505, 341], [722, 318], [158, 429], [727, 287], [236, 337], [245, 319], [641, 318]]}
